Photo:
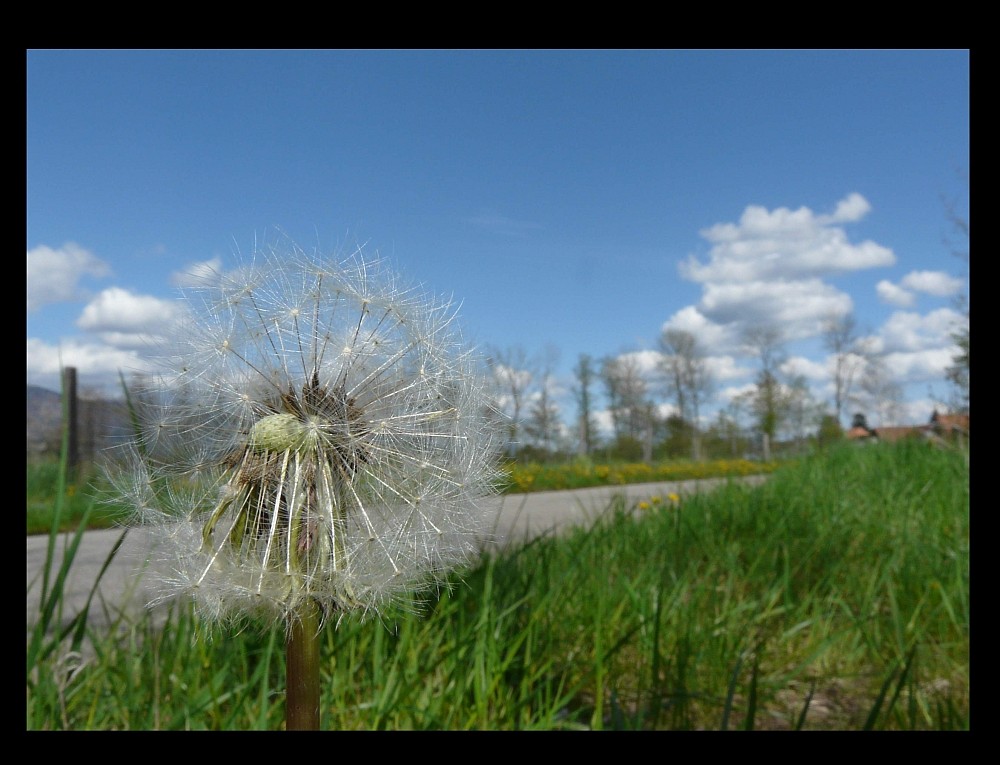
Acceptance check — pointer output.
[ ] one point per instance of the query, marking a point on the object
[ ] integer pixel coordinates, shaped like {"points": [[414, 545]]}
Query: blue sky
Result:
{"points": [[573, 200]]}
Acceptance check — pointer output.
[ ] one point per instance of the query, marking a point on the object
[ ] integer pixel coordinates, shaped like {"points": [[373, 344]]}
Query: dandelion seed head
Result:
{"points": [[318, 431]]}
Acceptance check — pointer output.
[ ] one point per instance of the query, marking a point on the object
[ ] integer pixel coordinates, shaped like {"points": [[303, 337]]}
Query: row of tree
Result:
{"points": [[661, 413], [649, 415]]}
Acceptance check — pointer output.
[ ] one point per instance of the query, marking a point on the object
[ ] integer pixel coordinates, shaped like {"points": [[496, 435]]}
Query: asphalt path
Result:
{"points": [[126, 586]]}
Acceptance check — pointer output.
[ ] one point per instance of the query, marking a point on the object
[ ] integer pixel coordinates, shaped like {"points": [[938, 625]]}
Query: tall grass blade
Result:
{"points": [[877, 707], [801, 721], [752, 698], [727, 707], [81, 618]]}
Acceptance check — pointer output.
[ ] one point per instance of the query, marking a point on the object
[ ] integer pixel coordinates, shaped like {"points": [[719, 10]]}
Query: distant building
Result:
{"points": [[893, 433], [952, 428], [946, 425], [859, 429], [942, 428]]}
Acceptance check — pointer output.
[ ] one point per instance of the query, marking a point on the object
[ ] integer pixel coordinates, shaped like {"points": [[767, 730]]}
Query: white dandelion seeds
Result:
{"points": [[318, 432]]}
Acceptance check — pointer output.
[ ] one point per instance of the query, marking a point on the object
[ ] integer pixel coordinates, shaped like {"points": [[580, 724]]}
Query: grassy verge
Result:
{"points": [[77, 495], [81, 489], [585, 473], [834, 596]]}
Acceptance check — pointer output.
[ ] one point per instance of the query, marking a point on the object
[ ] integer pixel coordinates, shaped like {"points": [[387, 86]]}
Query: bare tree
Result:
{"points": [[766, 343], [802, 410], [880, 393], [727, 426], [543, 415], [542, 424], [514, 375], [958, 373], [585, 374], [840, 338], [627, 393], [689, 381]]}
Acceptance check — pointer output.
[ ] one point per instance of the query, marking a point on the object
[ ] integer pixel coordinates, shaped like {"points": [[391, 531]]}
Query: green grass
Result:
{"points": [[833, 596], [583, 473], [78, 499]]}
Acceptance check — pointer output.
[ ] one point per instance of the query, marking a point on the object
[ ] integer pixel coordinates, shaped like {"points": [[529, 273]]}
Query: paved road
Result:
{"points": [[123, 589]]}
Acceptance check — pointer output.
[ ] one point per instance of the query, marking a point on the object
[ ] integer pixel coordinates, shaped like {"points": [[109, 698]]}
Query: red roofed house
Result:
{"points": [[948, 428], [859, 430], [893, 433]]}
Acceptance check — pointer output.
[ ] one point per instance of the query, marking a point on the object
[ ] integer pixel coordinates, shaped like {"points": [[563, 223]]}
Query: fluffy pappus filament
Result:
{"points": [[318, 431]]}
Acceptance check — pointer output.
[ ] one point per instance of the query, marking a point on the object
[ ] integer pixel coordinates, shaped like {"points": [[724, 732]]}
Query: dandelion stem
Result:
{"points": [[326, 443], [302, 669]]}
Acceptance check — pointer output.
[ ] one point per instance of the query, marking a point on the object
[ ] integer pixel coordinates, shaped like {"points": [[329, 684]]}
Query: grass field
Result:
{"points": [[584, 473], [834, 596]]}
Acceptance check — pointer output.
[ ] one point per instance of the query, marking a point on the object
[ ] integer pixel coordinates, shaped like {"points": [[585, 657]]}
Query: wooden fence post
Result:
{"points": [[72, 416]]}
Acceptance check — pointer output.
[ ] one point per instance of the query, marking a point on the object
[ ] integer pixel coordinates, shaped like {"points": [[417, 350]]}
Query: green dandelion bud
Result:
{"points": [[278, 433]]}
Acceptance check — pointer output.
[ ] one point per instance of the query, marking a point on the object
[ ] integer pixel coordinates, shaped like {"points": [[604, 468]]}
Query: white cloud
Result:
{"points": [[508, 376], [726, 395], [870, 345], [646, 362], [786, 244], [138, 341], [851, 208], [665, 409], [906, 331], [811, 370], [712, 337], [798, 307], [604, 422], [767, 268], [54, 274], [97, 364], [917, 411], [936, 283], [920, 366], [722, 368], [198, 274], [893, 294], [124, 318]]}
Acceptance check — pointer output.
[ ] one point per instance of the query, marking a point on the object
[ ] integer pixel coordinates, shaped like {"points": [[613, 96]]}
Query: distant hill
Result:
{"points": [[44, 413], [100, 422]]}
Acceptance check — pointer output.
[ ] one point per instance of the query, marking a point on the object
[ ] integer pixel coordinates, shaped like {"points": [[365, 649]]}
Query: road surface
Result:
{"points": [[125, 588]]}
